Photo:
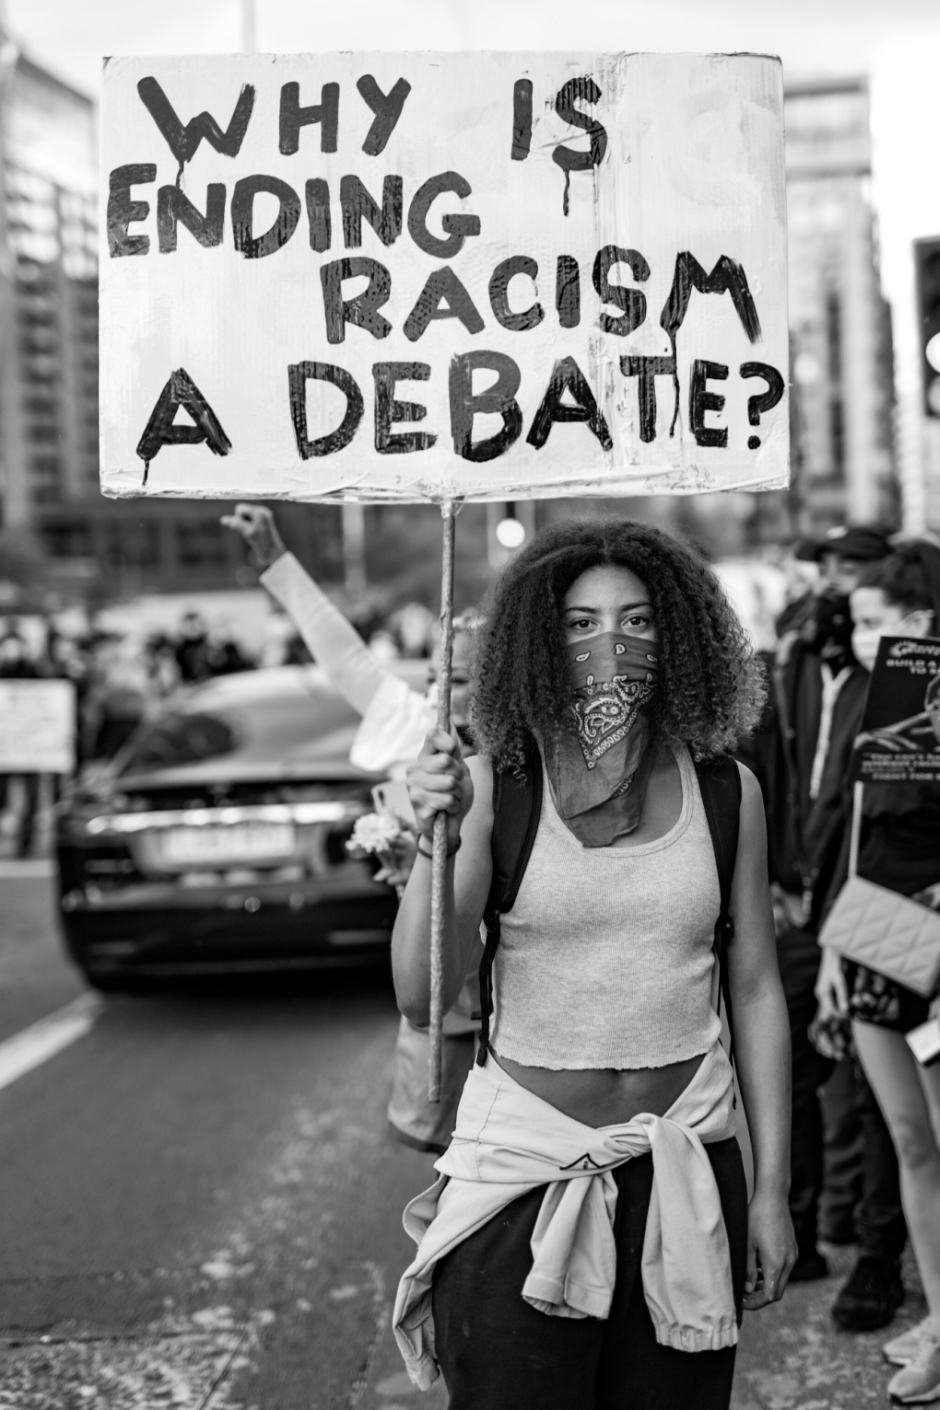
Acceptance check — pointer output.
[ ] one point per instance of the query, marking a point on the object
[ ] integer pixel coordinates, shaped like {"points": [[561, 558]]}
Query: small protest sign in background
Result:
{"points": [[443, 276], [899, 741], [37, 727]]}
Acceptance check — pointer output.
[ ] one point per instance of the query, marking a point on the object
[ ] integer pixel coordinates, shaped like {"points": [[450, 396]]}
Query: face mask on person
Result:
{"points": [[599, 771]]}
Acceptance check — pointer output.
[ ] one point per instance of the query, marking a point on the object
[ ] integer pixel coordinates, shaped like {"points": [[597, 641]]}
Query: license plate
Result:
{"points": [[223, 846]]}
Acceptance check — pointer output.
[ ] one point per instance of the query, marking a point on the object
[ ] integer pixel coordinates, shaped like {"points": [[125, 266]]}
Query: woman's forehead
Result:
{"points": [[606, 582]]}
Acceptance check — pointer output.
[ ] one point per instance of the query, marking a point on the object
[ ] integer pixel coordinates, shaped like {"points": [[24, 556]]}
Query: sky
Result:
{"points": [[813, 37]]}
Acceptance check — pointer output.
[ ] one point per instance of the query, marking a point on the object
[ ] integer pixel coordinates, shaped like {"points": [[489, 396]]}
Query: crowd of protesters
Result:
{"points": [[865, 1148], [865, 1165], [864, 1162]]}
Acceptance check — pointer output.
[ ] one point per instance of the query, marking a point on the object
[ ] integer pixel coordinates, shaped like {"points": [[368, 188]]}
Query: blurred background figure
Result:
{"points": [[69, 659], [15, 664], [118, 695], [282, 644], [160, 660], [898, 849], [414, 626], [223, 654], [193, 656], [844, 1178]]}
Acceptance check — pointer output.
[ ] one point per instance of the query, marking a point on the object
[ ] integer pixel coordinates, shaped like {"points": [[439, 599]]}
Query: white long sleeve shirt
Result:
{"points": [[395, 718], [509, 1141]]}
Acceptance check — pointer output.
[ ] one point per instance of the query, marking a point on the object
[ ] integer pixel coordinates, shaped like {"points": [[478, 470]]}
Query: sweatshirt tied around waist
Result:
{"points": [[509, 1141]]}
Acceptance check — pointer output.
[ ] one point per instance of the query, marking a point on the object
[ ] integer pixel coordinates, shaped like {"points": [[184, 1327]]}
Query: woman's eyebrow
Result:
{"points": [[627, 607]]}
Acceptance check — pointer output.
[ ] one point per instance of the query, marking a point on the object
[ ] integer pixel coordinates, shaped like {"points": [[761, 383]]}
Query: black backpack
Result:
{"points": [[517, 807]]}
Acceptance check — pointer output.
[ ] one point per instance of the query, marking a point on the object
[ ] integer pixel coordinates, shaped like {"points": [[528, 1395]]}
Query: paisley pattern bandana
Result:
{"points": [[599, 772]]}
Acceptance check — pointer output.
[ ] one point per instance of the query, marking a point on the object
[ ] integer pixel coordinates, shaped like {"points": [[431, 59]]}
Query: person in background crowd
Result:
{"points": [[844, 1171], [119, 695], [861, 1198], [15, 664], [395, 720], [607, 657], [224, 657], [898, 849], [159, 654], [69, 660], [282, 645], [192, 649]]}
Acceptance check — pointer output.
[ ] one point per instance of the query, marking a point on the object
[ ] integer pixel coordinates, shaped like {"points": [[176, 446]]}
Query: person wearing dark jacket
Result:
{"points": [[899, 825], [851, 1172], [861, 1194]]}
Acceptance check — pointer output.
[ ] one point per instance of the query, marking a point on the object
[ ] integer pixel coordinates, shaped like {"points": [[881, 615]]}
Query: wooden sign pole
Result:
{"points": [[439, 862]]}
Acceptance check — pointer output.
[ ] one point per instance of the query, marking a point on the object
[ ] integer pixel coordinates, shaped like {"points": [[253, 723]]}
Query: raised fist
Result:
{"points": [[256, 525]]}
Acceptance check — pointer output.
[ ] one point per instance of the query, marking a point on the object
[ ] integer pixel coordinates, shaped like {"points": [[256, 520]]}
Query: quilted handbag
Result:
{"points": [[884, 931]]}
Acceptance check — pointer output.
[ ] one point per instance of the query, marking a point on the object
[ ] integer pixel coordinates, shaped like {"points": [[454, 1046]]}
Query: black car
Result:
{"points": [[216, 839]]}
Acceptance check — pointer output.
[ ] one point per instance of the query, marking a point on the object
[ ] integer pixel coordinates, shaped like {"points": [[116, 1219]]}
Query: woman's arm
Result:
{"points": [[762, 1046], [440, 780], [332, 641]]}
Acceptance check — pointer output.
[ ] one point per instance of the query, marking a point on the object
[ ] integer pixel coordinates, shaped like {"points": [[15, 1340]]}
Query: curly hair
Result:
{"points": [[711, 686]]}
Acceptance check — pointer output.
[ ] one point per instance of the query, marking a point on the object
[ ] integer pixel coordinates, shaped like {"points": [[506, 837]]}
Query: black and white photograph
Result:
{"points": [[469, 706]]}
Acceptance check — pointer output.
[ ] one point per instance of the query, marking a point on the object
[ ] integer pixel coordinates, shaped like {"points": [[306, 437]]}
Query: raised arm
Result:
{"points": [[441, 780], [762, 1045], [332, 641]]}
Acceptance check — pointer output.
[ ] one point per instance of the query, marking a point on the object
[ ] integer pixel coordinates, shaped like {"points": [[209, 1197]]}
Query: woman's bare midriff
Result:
{"points": [[604, 1097]]}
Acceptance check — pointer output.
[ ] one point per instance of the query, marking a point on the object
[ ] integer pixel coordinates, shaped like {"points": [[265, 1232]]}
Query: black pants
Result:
{"points": [[26, 824], [498, 1353], [798, 958], [862, 1181], [856, 1157]]}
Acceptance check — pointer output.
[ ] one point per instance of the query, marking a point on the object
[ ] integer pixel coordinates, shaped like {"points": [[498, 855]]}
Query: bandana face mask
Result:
{"points": [[598, 775]]}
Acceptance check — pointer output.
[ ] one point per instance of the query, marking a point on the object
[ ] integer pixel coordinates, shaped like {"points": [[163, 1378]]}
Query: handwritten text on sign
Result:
{"points": [[423, 276]]}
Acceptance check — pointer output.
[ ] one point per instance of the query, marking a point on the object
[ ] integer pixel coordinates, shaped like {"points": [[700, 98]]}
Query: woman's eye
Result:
{"points": [[637, 623], [581, 624]]}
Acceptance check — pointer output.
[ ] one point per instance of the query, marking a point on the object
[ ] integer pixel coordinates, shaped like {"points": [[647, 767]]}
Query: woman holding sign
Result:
{"points": [[590, 1241], [899, 848]]}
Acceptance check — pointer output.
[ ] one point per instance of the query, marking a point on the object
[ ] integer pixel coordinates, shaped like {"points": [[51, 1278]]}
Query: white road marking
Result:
{"points": [[39, 1042]]}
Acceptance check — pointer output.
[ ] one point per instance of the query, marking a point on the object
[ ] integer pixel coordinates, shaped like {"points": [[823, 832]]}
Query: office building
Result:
{"points": [[842, 361]]}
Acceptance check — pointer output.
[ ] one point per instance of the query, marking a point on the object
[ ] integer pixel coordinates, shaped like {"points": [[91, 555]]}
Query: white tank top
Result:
{"points": [[605, 960]]}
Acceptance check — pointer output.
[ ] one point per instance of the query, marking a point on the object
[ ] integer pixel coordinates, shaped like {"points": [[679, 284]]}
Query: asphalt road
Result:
{"points": [[200, 1206]]}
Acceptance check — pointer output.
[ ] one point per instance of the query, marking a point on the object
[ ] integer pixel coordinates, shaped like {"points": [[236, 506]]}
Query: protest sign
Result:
{"points": [[37, 727], [443, 276], [899, 740]]}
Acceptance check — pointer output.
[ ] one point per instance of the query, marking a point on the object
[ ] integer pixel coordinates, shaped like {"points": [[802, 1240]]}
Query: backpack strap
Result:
{"points": [[517, 807], [720, 786]]}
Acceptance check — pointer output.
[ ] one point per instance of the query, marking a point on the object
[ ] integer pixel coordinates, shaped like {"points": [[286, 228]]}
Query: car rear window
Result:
{"points": [[179, 738]]}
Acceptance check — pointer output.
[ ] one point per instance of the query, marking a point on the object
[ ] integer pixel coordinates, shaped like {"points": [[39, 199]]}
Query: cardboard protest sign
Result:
{"points": [[899, 741], [431, 276], [37, 727]]}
